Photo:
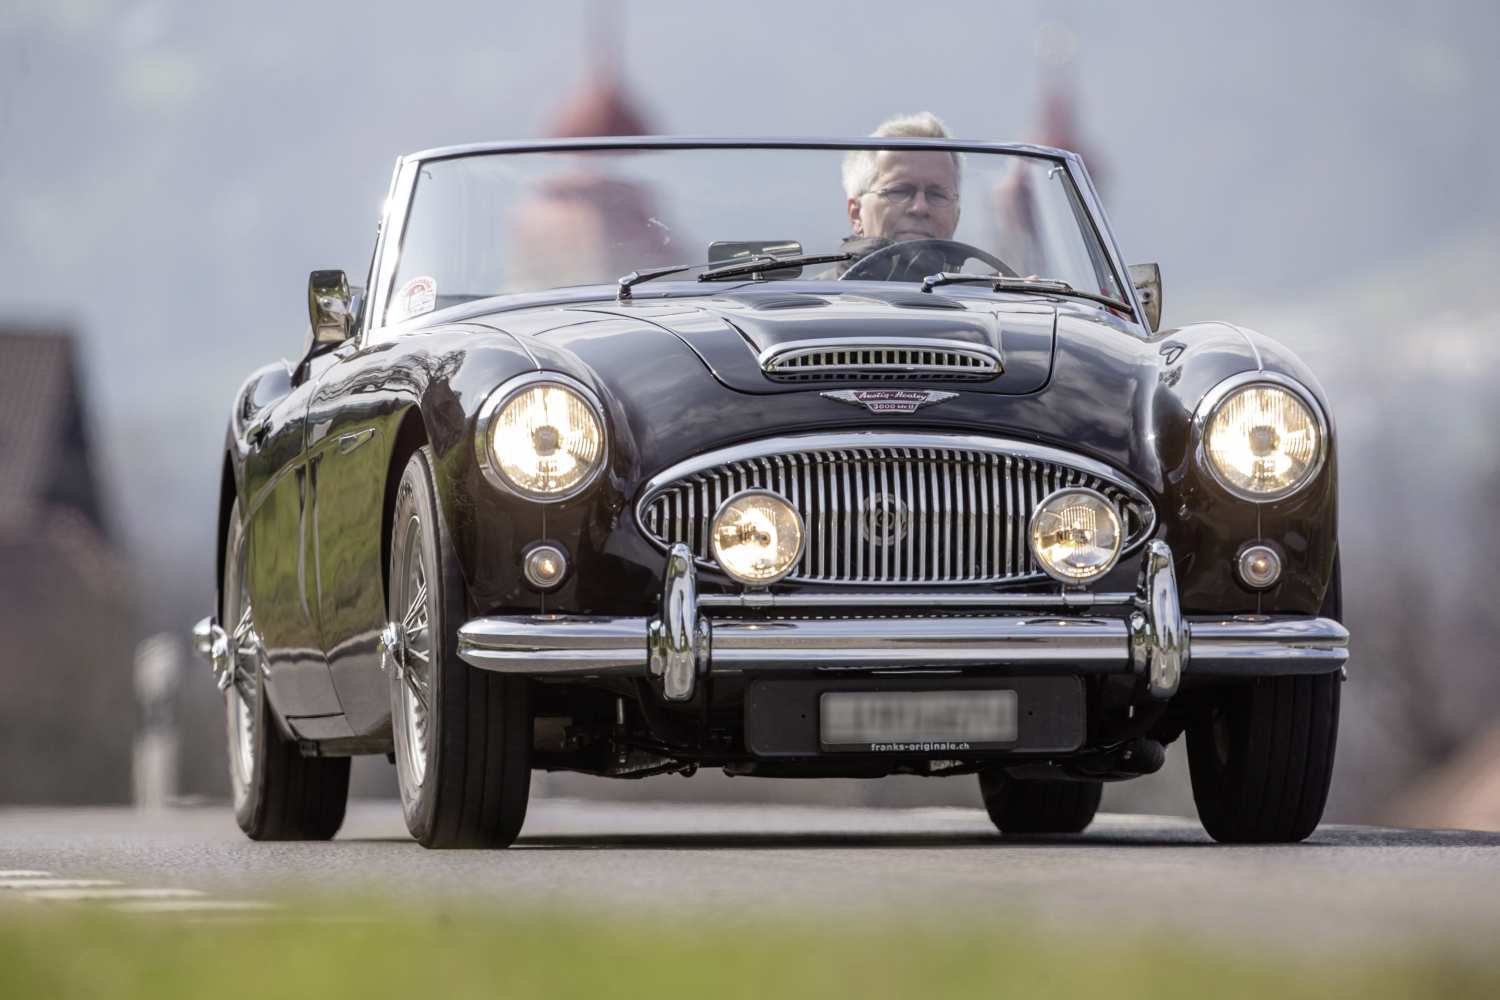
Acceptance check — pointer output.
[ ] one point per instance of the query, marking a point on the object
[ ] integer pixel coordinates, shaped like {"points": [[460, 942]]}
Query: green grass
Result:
{"points": [[373, 950]]}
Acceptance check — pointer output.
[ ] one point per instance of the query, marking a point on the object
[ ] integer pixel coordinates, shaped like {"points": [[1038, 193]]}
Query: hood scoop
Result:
{"points": [[880, 359]]}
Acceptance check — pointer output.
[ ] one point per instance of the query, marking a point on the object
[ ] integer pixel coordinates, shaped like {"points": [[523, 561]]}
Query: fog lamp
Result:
{"points": [[545, 565], [757, 537], [1075, 535], [1259, 566]]}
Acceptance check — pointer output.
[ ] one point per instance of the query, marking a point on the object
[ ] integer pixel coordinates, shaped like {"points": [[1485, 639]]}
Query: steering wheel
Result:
{"points": [[913, 260]]}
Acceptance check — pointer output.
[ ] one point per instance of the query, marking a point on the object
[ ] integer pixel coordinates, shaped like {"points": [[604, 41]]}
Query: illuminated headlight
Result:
{"points": [[1075, 535], [1262, 441], [541, 437], [757, 537]]}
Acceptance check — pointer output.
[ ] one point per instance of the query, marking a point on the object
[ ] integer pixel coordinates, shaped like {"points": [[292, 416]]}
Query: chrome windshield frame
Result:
{"points": [[398, 203]]}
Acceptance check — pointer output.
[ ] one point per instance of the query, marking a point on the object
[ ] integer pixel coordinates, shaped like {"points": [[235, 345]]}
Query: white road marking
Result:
{"points": [[193, 905], [86, 895], [55, 883], [22, 873]]}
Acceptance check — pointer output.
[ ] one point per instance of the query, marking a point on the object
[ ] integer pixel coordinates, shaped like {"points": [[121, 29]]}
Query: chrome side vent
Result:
{"points": [[880, 360]]}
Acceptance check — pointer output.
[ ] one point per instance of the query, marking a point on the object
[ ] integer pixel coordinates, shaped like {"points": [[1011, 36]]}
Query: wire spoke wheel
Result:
{"points": [[414, 662], [279, 794], [242, 697]]}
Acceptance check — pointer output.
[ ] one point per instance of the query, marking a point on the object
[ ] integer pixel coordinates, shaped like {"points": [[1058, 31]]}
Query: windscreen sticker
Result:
{"points": [[417, 296]]}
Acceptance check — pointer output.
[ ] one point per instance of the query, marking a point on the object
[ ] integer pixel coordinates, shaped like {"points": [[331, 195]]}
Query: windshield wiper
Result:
{"points": [[1000, 283], [753, 264], [629, 281], [770, 262]]}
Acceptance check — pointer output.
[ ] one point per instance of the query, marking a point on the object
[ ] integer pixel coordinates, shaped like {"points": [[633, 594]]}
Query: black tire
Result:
{"points": [[278, 794], [1039, 807], [1261, 759], [463, 735]]}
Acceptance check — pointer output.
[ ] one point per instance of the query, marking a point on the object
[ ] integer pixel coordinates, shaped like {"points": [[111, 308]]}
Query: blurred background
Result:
{"points": [[170, 172]]}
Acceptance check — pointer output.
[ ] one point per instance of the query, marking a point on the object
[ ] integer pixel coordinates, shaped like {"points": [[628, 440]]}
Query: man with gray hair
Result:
{"points": [[900, 194]]}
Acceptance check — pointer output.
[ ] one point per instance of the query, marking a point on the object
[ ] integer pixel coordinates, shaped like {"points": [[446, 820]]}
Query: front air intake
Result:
{"points": [[880, 361]]}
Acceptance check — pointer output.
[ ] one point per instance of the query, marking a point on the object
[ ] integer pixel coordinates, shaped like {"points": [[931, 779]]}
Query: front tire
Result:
{"points": [[278, 793], [463, 736], [1023, 807], [1261, 759]]}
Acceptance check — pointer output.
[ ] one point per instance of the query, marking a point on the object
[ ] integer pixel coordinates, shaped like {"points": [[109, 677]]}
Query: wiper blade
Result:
{"points": [[1000, 283], [745, 265], [770, 262]]}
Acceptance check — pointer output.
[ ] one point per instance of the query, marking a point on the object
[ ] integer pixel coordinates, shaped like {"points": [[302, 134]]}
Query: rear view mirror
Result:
{"points": [[330, 307], [1146, 279], [742, 251]]}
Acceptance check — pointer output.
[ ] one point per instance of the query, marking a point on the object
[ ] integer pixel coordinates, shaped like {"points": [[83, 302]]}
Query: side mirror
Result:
{"points": [[330, 307], [1146, 278]]}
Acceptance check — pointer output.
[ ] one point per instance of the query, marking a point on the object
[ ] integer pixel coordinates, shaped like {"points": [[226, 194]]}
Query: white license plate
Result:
{"points": [[916, 721]]}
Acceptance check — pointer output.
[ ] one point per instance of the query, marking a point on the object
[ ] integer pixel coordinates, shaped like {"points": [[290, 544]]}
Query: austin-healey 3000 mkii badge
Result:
{"points": [[890, 400]]}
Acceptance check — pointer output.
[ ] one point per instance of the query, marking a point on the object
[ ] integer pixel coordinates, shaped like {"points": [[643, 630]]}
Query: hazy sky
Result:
{"points": [[170, 171]]}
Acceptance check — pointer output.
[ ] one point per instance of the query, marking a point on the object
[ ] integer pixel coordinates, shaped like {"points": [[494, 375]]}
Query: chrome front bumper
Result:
{"points": [[1149, 637]]}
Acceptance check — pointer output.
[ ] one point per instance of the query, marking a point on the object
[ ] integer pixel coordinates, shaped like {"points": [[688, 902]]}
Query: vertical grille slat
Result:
{"points": [[966, 513]]}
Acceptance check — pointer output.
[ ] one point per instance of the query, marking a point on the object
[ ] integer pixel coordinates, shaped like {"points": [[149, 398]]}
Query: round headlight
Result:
{"points": [[1262, 441], [757, 537], [542, 438], [1076, 535]]}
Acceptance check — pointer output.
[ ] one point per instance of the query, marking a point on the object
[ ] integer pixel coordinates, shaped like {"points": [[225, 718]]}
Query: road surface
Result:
{"points": [[1348, 887]]}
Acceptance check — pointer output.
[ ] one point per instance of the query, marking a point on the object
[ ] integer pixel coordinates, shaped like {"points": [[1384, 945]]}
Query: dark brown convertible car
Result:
{"points": [[791, 458]]}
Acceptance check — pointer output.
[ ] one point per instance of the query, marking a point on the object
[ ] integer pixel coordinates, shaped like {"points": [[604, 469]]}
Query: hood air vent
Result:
{"points": [[879, 360]]}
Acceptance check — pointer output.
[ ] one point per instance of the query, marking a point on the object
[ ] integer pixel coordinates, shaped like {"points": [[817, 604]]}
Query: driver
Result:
{"points": [[900, 194]]}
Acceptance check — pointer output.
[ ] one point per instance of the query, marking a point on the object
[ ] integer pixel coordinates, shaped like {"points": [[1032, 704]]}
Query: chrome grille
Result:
{"points": [[880, 362], [893, 514]]}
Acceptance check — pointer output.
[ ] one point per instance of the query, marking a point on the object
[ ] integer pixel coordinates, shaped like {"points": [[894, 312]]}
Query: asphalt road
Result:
{"points": [[1348, 887]]}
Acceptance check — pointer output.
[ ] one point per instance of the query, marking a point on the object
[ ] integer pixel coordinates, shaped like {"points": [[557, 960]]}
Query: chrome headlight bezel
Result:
{"points": [[1064, 578], [1220, 394], [496, 401]]}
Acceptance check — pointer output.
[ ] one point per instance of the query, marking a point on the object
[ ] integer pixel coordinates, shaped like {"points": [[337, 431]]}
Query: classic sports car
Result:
{"points": [[791, 458]]}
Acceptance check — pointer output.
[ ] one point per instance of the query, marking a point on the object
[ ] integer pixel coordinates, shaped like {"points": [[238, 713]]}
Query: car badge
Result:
{"points": [[890, 400], [884, 519]]}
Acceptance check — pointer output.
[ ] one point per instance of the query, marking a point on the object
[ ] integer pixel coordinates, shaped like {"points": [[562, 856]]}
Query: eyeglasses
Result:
{"points": [[902, 195]]}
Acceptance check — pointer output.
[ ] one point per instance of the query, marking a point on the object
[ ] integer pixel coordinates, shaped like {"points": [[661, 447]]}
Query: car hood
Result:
{"points": [[729, 332], [1075, 377]]}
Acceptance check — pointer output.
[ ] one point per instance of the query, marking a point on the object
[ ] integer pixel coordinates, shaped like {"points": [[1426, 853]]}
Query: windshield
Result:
{"points": [[491, 224]]}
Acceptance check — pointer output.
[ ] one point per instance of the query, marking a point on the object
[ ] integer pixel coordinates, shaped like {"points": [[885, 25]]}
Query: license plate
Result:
{"points": [[916, 721]]}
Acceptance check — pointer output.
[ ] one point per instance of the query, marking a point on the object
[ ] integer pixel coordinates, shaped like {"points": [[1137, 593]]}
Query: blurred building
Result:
{"points": [[67, 711], [590, 220]]}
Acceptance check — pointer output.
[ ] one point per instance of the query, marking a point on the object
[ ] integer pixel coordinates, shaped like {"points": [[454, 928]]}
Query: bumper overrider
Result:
{"points": [[1143, 634]]}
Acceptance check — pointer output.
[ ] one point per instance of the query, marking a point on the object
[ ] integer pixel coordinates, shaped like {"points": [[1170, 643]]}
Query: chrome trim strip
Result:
{"points": [[883, 643], [555, 645], [503, 394], [1243, 645], [915, 601]]}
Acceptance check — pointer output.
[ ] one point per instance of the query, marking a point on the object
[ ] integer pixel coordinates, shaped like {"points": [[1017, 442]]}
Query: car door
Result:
{"points": [[352, 422], [279, 492]]}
